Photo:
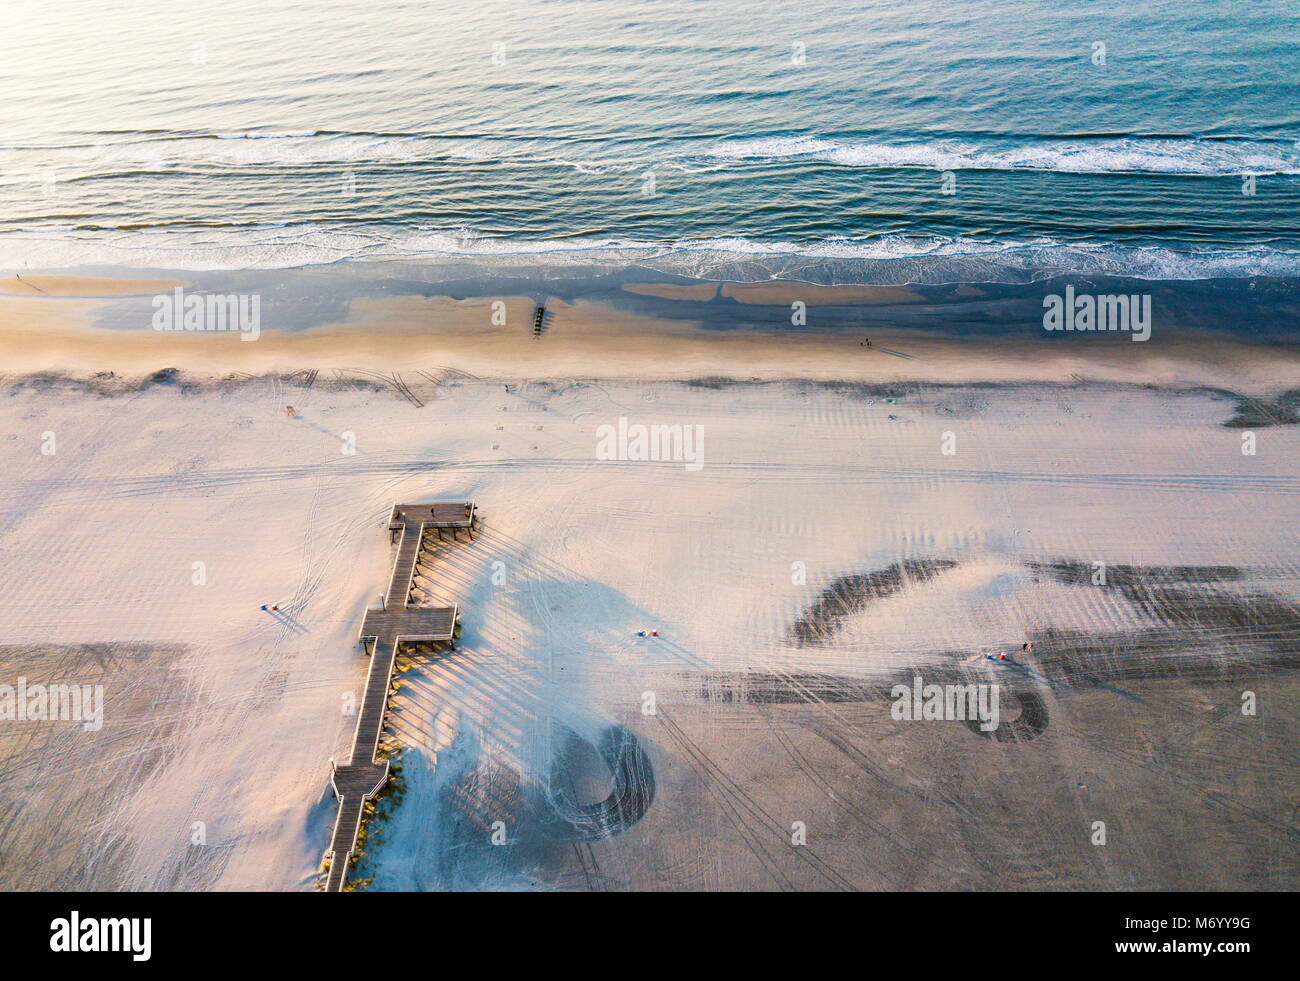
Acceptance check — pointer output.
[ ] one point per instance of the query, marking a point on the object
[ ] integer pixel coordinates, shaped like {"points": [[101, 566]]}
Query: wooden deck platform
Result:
{"points": [[384, 630]]}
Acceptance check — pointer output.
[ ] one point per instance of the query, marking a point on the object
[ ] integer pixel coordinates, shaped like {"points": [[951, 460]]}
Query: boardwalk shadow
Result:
{"points": [[528, 762]]}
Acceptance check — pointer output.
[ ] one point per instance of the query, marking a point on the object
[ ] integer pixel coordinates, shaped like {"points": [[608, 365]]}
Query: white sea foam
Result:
{"points": [[1129, 155], [235, 151], [882, 259], [1119, 155]]}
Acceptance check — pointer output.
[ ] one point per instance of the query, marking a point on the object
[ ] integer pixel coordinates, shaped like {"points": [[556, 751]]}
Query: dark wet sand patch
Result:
{"points": [[851, 594], [67, 791]]}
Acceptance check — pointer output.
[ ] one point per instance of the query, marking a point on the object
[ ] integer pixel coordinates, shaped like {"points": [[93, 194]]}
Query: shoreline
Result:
{"points": [[87, 328]]}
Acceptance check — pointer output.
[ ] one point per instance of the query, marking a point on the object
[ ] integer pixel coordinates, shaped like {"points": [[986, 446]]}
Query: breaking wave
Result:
{"points": [[886, 259], [1097, 155], [99, 155]]}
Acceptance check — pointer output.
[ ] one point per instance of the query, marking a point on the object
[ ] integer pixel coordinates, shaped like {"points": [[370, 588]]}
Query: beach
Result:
{"points": [[375, 318], [859, 516]]}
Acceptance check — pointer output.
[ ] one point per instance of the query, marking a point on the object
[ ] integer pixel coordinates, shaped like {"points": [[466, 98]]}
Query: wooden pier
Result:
{"points": [[382, 632]]}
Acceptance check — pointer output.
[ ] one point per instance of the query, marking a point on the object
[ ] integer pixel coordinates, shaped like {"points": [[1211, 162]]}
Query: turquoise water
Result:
{"points": [[809, 139]]}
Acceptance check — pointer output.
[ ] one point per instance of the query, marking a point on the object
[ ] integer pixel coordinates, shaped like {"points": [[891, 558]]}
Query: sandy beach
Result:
{"points": [[86, 328], [859, 516]]}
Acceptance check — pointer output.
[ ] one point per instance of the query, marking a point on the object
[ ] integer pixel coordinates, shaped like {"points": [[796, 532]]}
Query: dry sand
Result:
{"points": [[778, 576]]}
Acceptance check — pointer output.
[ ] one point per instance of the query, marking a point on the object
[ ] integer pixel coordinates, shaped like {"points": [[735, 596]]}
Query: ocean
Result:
{"points": [[830, 142]]}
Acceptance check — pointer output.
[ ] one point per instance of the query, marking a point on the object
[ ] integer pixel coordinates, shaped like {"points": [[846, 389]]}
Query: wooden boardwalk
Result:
{"points": [[382, 631]]}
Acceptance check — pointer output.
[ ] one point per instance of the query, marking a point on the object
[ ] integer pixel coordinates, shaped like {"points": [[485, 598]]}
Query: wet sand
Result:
{"points": [[81, 333]]}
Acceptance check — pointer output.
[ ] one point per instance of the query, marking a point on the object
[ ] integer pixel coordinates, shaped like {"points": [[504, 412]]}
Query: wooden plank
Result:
{"points": [[362, 777]]}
